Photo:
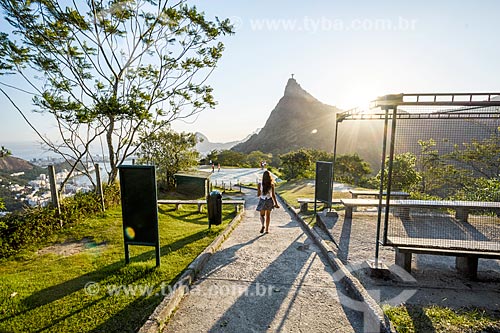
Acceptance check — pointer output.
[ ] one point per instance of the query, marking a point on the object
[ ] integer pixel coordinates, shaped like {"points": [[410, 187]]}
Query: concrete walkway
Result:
{"points": [[276, 282]]}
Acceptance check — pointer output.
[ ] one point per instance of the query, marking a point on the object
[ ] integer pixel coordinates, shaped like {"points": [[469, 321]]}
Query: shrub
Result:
{"points": [[482, 189], [20, 229]]}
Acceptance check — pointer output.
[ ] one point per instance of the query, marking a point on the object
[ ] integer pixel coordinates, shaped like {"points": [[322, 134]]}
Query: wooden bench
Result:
{"points": [[200, 203], [395, 195], [466, 261], [304, 202]]}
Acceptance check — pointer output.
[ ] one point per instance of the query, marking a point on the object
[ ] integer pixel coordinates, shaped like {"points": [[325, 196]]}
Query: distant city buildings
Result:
{"points": [[37, 192], [52, 160]]}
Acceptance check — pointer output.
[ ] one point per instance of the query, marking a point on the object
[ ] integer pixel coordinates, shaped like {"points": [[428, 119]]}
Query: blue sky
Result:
{"points": [[342, 52]]}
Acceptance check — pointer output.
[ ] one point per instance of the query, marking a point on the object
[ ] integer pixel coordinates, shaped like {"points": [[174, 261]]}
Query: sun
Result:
{"points": [[360, 98], [359, 91]]}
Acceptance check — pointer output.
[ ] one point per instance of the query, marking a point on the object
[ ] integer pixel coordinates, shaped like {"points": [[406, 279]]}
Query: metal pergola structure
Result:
{"points": [[454, 106]]}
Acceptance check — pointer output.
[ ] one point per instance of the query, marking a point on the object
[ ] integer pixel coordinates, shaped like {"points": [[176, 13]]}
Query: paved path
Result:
{"points": [[276, 282], [234, 175]]}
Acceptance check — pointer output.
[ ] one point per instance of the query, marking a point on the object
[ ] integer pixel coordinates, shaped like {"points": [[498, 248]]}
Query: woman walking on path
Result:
{"points": [[267, 200]]}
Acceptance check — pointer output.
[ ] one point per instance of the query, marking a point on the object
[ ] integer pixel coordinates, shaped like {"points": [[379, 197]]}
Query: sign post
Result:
{"points": [[139, 207], [324, 183]]}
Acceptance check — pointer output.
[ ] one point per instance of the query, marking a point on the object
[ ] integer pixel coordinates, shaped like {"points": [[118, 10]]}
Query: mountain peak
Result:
{"points": [[293, 89], [298, 121]]}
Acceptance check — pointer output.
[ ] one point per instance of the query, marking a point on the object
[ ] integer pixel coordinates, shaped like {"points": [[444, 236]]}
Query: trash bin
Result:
{"points": [[214, 206]]}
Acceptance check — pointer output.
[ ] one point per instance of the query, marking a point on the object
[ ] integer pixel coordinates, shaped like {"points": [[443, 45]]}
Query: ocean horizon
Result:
{"points": [[27, 150], [30, 150]]}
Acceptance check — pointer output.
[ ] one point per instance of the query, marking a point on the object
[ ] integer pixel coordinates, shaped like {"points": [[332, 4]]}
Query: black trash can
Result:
{"points": [[214, 206]]}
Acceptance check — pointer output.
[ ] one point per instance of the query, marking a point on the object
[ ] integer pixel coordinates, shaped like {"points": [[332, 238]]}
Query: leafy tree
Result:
{"points": [[439, 177], [482, 189], [430, 165], [275, 161], [481, 157], [2, 204], [351, 169], [230, 158], [295, 164], [4, 152], [462, 173], [320, 155], [255, 157], [212, 156], [109, 70], [404, 174], [170, 152], [226, 158]]}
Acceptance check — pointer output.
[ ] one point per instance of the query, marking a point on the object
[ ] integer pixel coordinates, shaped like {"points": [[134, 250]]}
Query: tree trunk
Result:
{"points": [[111, 151]]}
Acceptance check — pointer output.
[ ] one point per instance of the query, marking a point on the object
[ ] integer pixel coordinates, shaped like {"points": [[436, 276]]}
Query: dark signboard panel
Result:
{"points": [[324, 179], [139, 206], [193, 185]]}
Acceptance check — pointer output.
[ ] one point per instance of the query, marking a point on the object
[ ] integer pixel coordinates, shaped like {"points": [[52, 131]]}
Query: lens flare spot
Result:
{"points": [[130, 232], [314, 131]]}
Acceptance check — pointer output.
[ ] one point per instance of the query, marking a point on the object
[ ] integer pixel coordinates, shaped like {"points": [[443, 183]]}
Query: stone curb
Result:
{"points": [[164, 310], [353, 287]]}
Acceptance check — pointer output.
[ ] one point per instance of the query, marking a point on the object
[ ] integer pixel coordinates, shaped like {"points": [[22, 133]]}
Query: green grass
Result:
{"points": [[302, 188], [416, 319], [294, 189], [46, 293], [309, 218]]}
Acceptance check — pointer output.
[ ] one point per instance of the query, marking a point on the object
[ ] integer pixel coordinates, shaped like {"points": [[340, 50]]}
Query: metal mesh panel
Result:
{"points": [[449, 159]]}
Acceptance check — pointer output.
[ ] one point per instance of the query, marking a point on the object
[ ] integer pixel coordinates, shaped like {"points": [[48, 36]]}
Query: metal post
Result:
{"points": [[381, 188], [389, 173], [334, 154], [53, 189], [157, 253], [127, 254], [335, 146], [99, 190]]}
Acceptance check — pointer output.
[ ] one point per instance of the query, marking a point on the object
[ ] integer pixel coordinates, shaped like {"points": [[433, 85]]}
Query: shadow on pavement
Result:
{"points": [[257, 308]]}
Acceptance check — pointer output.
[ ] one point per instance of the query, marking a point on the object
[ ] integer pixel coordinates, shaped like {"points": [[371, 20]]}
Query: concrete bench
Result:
{"points": [[200, 203], [466, 261], [394, 195], [402, 207], [304, 202], [462, 208], [350, 204]]}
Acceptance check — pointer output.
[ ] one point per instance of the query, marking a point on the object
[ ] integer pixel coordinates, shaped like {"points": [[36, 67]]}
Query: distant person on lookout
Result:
{"points": [[267, 200]]}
